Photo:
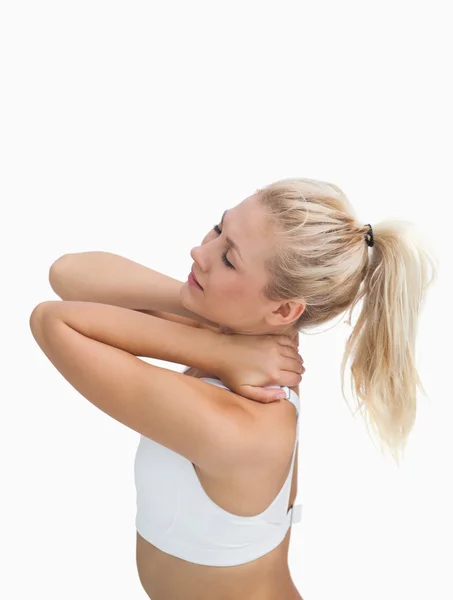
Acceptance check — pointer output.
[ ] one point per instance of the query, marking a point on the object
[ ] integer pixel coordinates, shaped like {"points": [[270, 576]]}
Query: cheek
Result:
{"points": [[234, 291]]}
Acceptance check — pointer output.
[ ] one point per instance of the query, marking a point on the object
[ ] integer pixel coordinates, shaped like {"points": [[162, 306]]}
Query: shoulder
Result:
{"points": [[269, 429], [259, 432]]}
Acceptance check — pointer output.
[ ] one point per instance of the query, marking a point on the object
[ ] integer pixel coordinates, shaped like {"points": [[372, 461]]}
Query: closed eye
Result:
{"points": [[225, 261]]}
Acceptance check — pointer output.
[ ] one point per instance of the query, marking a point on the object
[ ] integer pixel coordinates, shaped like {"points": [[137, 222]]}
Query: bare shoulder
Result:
{"points": [[264, 432], [270, 428]]}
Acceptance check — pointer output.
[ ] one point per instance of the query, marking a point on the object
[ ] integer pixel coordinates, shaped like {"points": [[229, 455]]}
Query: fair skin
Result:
{"points": [[232, 295], [94, 346]]}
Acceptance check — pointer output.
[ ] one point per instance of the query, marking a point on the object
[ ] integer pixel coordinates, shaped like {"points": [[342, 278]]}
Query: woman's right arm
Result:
{"points": [[108, 278]]}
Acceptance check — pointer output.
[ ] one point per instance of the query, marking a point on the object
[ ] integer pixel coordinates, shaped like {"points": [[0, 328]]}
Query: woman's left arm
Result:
{"points": [[244, 363], [95, 348]]}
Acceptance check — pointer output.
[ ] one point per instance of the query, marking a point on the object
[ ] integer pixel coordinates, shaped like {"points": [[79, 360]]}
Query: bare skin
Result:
{"points": [[233, 296], [165, 577]]}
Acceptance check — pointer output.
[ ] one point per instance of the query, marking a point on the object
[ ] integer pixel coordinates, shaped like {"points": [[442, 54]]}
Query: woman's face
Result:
{"points": [[233, 279]]}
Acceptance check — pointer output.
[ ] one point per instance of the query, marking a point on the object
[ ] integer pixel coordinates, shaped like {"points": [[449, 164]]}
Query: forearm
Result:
{"points": [[108, 278], [136, 333]]}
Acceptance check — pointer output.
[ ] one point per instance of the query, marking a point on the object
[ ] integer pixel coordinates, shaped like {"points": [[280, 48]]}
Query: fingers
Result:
{"points": [[290, 379], [291, 353], [259, 394], [285, 340], [292, 342], [293, 365], [292, 348]]}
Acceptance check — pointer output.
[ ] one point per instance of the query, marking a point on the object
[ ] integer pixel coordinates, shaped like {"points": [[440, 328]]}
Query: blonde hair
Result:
{"points": [[320, 255]]}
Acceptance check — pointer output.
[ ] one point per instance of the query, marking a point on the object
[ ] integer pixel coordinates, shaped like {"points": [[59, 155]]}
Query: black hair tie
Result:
{"points": [[369, 238]]}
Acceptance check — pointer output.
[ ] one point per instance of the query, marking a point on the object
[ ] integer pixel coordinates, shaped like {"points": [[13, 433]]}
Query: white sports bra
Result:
{"points": [[175, 514]]}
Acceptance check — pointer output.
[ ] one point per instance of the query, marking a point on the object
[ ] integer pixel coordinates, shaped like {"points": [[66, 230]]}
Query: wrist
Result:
{"points": [[207, 351], [216, 360]]}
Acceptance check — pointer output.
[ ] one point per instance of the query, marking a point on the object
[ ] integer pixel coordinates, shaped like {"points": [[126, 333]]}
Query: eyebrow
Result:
{"points": [[230, 241]]}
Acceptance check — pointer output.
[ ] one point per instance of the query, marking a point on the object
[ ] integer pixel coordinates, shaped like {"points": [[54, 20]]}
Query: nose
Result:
{"points": [[197, 257], [202, 254]]}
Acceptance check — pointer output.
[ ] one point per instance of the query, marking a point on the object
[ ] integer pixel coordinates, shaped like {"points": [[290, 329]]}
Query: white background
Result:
{"points": [[130, 127]]}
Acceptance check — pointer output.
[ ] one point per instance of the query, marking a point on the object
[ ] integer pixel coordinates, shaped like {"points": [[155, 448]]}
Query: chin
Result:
{"points": [[185, 296], [187, 300]]}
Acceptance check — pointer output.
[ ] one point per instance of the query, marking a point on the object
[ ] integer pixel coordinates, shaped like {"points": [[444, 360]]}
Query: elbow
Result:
{"points": [[36, 320], [56, 266], [58, 276]]}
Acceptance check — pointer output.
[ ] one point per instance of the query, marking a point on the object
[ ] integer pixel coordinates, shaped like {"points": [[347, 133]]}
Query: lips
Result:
{"points": [[193, 275]]}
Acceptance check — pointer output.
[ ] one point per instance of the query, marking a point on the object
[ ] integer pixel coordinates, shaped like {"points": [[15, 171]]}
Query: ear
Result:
{"points": [[286, 313]]}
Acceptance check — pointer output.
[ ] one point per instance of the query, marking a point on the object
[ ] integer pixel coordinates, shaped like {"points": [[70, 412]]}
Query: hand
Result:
{"points": [[251, 362]]}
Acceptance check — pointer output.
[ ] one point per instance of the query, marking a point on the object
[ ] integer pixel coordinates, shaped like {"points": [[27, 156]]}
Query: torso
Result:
{"points": [[166, 577]]}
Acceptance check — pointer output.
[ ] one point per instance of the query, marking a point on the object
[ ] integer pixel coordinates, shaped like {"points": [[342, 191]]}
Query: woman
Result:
{"points": [[216, 472]]}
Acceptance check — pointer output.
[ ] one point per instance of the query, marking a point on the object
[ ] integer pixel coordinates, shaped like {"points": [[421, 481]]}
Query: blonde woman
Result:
{"points": [[216, 467]]}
